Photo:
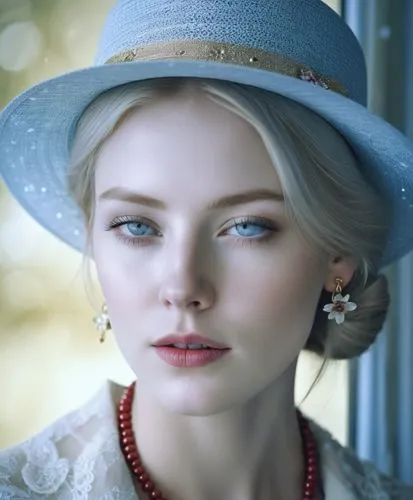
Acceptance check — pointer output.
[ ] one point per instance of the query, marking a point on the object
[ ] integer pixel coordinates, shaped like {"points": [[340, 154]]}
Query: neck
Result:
{"points": [[251, 452]]}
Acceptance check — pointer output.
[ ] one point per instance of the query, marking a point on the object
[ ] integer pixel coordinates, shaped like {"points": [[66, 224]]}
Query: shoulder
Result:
{"points": [[63, 460], [360, 479]]}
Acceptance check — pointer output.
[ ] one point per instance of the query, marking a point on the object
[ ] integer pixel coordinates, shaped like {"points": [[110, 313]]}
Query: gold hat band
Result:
{"points": [[230, 54]]}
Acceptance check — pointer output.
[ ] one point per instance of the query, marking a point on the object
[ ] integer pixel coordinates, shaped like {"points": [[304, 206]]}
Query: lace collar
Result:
{"points": [[78, 458]]}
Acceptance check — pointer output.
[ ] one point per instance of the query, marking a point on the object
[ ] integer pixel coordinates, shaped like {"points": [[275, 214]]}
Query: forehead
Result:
{"points": [[186, 140]]}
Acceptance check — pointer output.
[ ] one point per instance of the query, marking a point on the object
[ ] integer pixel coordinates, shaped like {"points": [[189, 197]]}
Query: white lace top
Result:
{"points": [[78, 458]]}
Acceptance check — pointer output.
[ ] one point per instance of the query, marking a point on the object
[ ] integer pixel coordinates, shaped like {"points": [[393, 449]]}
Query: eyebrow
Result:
{"points": [[124, 194]]}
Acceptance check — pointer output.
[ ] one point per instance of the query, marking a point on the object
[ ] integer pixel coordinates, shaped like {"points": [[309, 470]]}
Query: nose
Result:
{"points": [[194, 299], [183, 285]]}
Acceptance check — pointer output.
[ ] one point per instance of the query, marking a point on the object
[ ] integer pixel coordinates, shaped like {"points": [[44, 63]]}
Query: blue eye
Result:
{"points": [[250, 229], [137, 229], [132, 230], [137, 232]]}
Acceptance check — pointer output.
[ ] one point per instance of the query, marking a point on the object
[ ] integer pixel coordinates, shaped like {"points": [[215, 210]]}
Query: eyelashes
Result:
{"points": [[138, 231], [120, 225]]}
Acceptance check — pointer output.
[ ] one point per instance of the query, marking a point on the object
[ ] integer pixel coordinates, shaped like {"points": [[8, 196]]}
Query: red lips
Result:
{"points": [[191, 338]]}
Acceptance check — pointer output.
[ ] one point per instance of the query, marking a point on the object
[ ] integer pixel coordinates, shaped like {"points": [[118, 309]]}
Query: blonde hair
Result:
{"points": [[326, 195]]}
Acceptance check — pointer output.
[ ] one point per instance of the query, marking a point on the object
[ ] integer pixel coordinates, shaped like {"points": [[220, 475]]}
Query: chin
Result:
{"points": [[194, 400]]}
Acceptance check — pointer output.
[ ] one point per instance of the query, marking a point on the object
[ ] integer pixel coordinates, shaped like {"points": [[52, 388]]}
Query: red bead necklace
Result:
{"points": [[132, 457]]}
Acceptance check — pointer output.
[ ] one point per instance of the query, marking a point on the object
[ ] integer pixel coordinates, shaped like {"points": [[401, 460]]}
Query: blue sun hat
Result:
{"points": [[300, 49]]}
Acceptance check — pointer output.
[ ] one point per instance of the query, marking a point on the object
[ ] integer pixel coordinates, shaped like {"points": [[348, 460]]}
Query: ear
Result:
{"points": [[339, 267]]}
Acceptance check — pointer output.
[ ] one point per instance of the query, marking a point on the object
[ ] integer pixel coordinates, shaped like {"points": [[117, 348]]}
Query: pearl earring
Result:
{"points": [[102, 323]]}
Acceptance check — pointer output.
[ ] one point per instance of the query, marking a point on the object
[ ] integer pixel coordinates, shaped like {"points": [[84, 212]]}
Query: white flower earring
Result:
{"points": [[340, 305], [102, 323]]}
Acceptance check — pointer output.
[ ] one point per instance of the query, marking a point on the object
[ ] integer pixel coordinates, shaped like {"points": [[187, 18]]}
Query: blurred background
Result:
{"points": [[50, 358]]}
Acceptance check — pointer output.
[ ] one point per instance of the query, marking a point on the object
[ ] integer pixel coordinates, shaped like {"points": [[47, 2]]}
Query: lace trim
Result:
{"points": [[44, 472]]}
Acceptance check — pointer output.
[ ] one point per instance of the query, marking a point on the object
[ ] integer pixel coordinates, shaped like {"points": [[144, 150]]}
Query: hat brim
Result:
{"points": [[37, 126]]}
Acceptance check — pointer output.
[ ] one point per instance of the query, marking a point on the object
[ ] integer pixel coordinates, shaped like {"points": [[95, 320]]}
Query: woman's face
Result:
{"points": [[191, 235]]}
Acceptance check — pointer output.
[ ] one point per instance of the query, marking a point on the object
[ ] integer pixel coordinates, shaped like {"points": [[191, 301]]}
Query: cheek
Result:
{"points": [[277, 293], [123, 279], [125, 292], [126, 295]]}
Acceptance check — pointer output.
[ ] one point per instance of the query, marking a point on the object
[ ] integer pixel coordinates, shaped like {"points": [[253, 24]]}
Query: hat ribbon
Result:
{"points": [[200, 50]]}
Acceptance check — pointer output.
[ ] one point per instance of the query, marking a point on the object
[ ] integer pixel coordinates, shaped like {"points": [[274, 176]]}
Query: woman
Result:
{"points": [[234, 196]]}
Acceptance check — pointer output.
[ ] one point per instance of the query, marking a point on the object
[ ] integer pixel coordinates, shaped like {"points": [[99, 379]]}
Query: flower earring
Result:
{"points": [[102, 323], [340, 305]]}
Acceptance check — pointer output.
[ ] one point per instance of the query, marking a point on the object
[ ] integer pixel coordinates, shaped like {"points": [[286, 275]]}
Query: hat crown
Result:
{"points": [[305, 31]]}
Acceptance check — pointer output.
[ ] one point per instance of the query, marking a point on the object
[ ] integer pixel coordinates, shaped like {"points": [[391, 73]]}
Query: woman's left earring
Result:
{"points": [[102, 323], [340, 304]]}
